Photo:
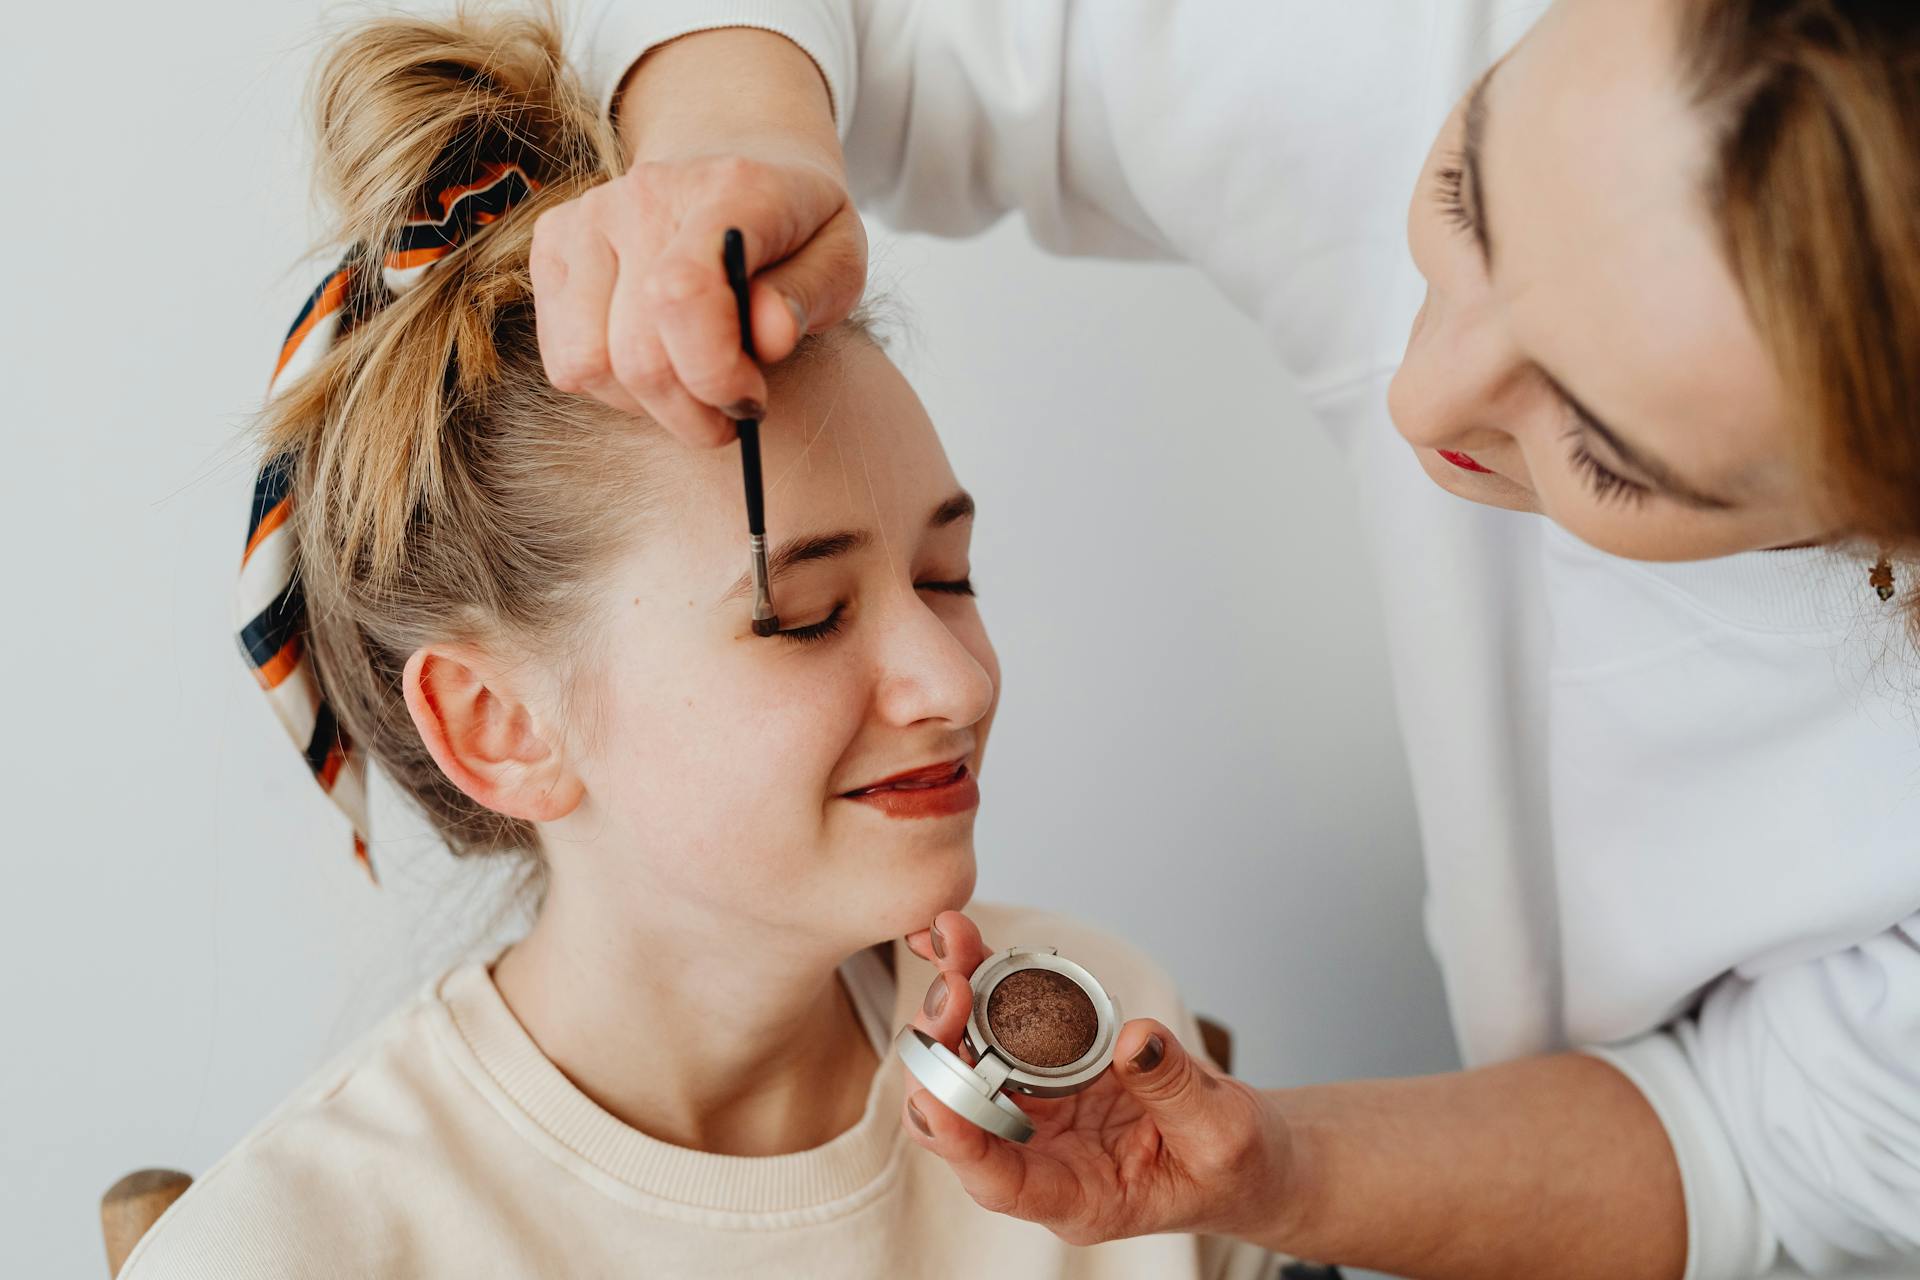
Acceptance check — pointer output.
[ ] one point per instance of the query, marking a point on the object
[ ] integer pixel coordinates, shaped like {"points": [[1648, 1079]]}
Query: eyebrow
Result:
{"points": [[1471, 149], [955, 509], [808, 548]]}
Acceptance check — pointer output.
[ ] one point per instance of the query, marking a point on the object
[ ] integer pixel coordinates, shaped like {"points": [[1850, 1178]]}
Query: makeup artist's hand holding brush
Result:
{"points": [[1162, 1141], [631, 305]]}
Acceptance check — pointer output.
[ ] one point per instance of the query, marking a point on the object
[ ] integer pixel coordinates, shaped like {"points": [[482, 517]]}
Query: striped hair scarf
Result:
{"points": [[269, 605]]}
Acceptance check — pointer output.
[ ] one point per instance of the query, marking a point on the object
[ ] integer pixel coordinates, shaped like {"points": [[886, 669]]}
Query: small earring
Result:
{"points": [[1882, 577]]}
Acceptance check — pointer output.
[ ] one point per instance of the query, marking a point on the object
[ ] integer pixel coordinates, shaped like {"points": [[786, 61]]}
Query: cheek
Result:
{"points": [[740, 759]]}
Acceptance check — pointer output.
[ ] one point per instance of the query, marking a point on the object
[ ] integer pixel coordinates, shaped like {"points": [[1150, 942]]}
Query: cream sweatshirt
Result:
{"points": [[1670, 812], [444, 1143]]}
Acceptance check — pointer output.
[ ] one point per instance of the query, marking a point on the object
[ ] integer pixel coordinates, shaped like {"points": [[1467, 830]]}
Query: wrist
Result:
{"points": [[729, 91], [1274, 1169]]}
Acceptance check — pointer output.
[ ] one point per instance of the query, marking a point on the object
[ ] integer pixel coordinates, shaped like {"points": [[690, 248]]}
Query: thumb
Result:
{"points": [[812, 290], [1167, 1080]]}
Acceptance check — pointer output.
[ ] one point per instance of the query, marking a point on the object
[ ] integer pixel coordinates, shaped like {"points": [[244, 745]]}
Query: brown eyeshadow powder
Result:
{"points": [[1042, 1017]]}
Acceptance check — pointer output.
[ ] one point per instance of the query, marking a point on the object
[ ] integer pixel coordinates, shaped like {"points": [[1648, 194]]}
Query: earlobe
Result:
{"points": [[486, 739]]}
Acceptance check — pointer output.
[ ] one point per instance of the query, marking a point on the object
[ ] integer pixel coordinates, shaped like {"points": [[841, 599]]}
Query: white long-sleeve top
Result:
{"points": [[1669, 813]]}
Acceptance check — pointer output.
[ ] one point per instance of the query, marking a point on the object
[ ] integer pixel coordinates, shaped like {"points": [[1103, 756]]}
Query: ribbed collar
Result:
{"points": [[527, 1081], [1805, 589]]}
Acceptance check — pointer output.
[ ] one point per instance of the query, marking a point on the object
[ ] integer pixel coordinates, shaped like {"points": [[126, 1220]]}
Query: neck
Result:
{"points": [[691, 1027]]}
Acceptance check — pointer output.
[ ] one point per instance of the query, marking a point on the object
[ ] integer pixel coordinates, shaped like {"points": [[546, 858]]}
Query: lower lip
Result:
{"points": [[1463, 462], [962, 795]]}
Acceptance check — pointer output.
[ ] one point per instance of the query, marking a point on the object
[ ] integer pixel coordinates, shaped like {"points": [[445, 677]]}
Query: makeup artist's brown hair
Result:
{"points": [[443, 488], [1815, 184]]}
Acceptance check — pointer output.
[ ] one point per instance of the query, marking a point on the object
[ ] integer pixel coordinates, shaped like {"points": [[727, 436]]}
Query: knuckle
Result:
{"points": [[676, 281], [644, 371], [577, 367], [729, 172], [717, 384]]}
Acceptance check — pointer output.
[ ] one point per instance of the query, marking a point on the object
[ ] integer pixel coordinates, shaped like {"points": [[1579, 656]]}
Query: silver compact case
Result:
{"points": [[1040, 1025]]}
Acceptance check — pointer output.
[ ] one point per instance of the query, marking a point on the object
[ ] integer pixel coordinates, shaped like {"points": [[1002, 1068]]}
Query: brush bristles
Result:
{"points": [[766, 626]]}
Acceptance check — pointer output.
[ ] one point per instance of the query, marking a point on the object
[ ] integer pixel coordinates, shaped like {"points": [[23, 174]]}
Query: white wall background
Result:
{"points": [[185, 936]]}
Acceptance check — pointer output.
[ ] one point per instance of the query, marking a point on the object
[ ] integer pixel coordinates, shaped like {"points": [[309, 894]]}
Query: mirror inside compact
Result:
{"points": [[1040, 1025]]}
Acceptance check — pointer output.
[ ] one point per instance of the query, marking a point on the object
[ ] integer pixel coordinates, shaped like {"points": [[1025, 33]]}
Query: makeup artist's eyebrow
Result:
{"points": [[1472, 148], [798, 551], [1652, 468]]}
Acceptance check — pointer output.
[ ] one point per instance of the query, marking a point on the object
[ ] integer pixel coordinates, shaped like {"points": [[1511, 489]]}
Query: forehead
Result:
{"points": [[1607, 258], [846, 445]]}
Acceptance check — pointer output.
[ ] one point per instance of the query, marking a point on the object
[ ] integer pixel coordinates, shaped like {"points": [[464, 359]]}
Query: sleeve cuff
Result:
{"points": [[614, 34], [1726, 1236]]}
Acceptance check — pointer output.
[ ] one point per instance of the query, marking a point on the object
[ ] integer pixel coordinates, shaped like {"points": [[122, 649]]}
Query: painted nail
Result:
{"points": [[939, 944], [1150, 1054], [745, 409], [936, 999], [919, 1121]]}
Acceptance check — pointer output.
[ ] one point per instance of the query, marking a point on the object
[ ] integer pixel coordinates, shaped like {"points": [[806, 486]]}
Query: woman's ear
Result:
{"points": [[485, 737]]}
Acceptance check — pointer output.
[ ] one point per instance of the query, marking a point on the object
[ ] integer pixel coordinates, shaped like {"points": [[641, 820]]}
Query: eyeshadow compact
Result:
{"points": [[1041, 1025]]}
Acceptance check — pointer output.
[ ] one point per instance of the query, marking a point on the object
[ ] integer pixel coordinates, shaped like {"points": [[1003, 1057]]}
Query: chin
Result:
{"points": [[943, 883]]}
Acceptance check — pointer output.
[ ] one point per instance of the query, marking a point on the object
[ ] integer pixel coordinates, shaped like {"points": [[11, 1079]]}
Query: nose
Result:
{"points": [[1458, 366], [928, 673]]}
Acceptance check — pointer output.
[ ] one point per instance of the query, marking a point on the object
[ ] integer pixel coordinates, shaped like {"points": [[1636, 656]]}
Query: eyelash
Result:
{"points": [[1450, 189], [831, 624], [1607, 484]]}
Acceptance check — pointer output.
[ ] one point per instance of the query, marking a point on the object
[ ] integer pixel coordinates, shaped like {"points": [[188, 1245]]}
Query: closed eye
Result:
{"points": [[959, 587], [814, 631]]}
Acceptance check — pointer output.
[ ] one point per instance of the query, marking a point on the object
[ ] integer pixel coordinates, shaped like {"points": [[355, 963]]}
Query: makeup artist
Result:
{"points": [[1665, 292]]}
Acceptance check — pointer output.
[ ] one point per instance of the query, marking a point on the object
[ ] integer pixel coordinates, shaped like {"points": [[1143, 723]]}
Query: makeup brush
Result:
{"points": [[765, 621]]}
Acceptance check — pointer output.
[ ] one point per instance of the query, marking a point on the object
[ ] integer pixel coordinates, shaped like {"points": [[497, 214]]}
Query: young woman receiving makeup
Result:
{"points": [[528, 610], [1665, 293]]}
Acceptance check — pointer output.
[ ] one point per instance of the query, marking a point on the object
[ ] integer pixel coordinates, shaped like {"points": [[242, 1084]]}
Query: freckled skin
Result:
{"points": [[721, 757]]}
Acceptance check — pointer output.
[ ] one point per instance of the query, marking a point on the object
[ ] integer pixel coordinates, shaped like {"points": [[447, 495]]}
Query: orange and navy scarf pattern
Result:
{"points": [[269, 602]]}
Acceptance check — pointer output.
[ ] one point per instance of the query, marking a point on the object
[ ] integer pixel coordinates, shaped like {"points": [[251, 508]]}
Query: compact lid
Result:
{"points": [[959, 1087]]}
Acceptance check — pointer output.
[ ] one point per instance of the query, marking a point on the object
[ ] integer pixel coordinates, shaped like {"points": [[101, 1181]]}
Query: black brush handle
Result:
{"points": [[734, 254], [750, 472]]}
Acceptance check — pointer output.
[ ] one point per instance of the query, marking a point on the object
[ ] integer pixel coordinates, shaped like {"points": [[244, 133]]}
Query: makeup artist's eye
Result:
{"points": [[815, 630], [960, 587], [1606, 483], [1450, 189]]}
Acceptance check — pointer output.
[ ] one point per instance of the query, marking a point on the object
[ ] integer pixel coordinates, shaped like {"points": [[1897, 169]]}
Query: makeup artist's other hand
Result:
{"points": [[726, 128], [1162, 1141]]}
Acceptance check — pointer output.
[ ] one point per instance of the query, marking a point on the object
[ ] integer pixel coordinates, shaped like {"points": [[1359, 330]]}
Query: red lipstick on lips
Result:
{"points": [[1463, 462], [937, 791]]}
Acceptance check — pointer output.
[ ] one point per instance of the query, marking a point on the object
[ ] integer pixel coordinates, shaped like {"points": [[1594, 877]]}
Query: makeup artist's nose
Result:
{"points": [[929, 674], [1460, 364]]}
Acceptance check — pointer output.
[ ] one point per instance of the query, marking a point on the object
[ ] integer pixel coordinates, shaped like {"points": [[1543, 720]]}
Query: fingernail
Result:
{"points": [[799, 316], [1150, 1054], [919, 1121], [939, 944], [745, 409], [936, 997]]}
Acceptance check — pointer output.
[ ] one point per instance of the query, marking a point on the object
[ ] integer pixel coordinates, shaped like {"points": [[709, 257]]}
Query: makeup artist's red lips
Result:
{"points": [[937, 791], [1463, 462]]}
